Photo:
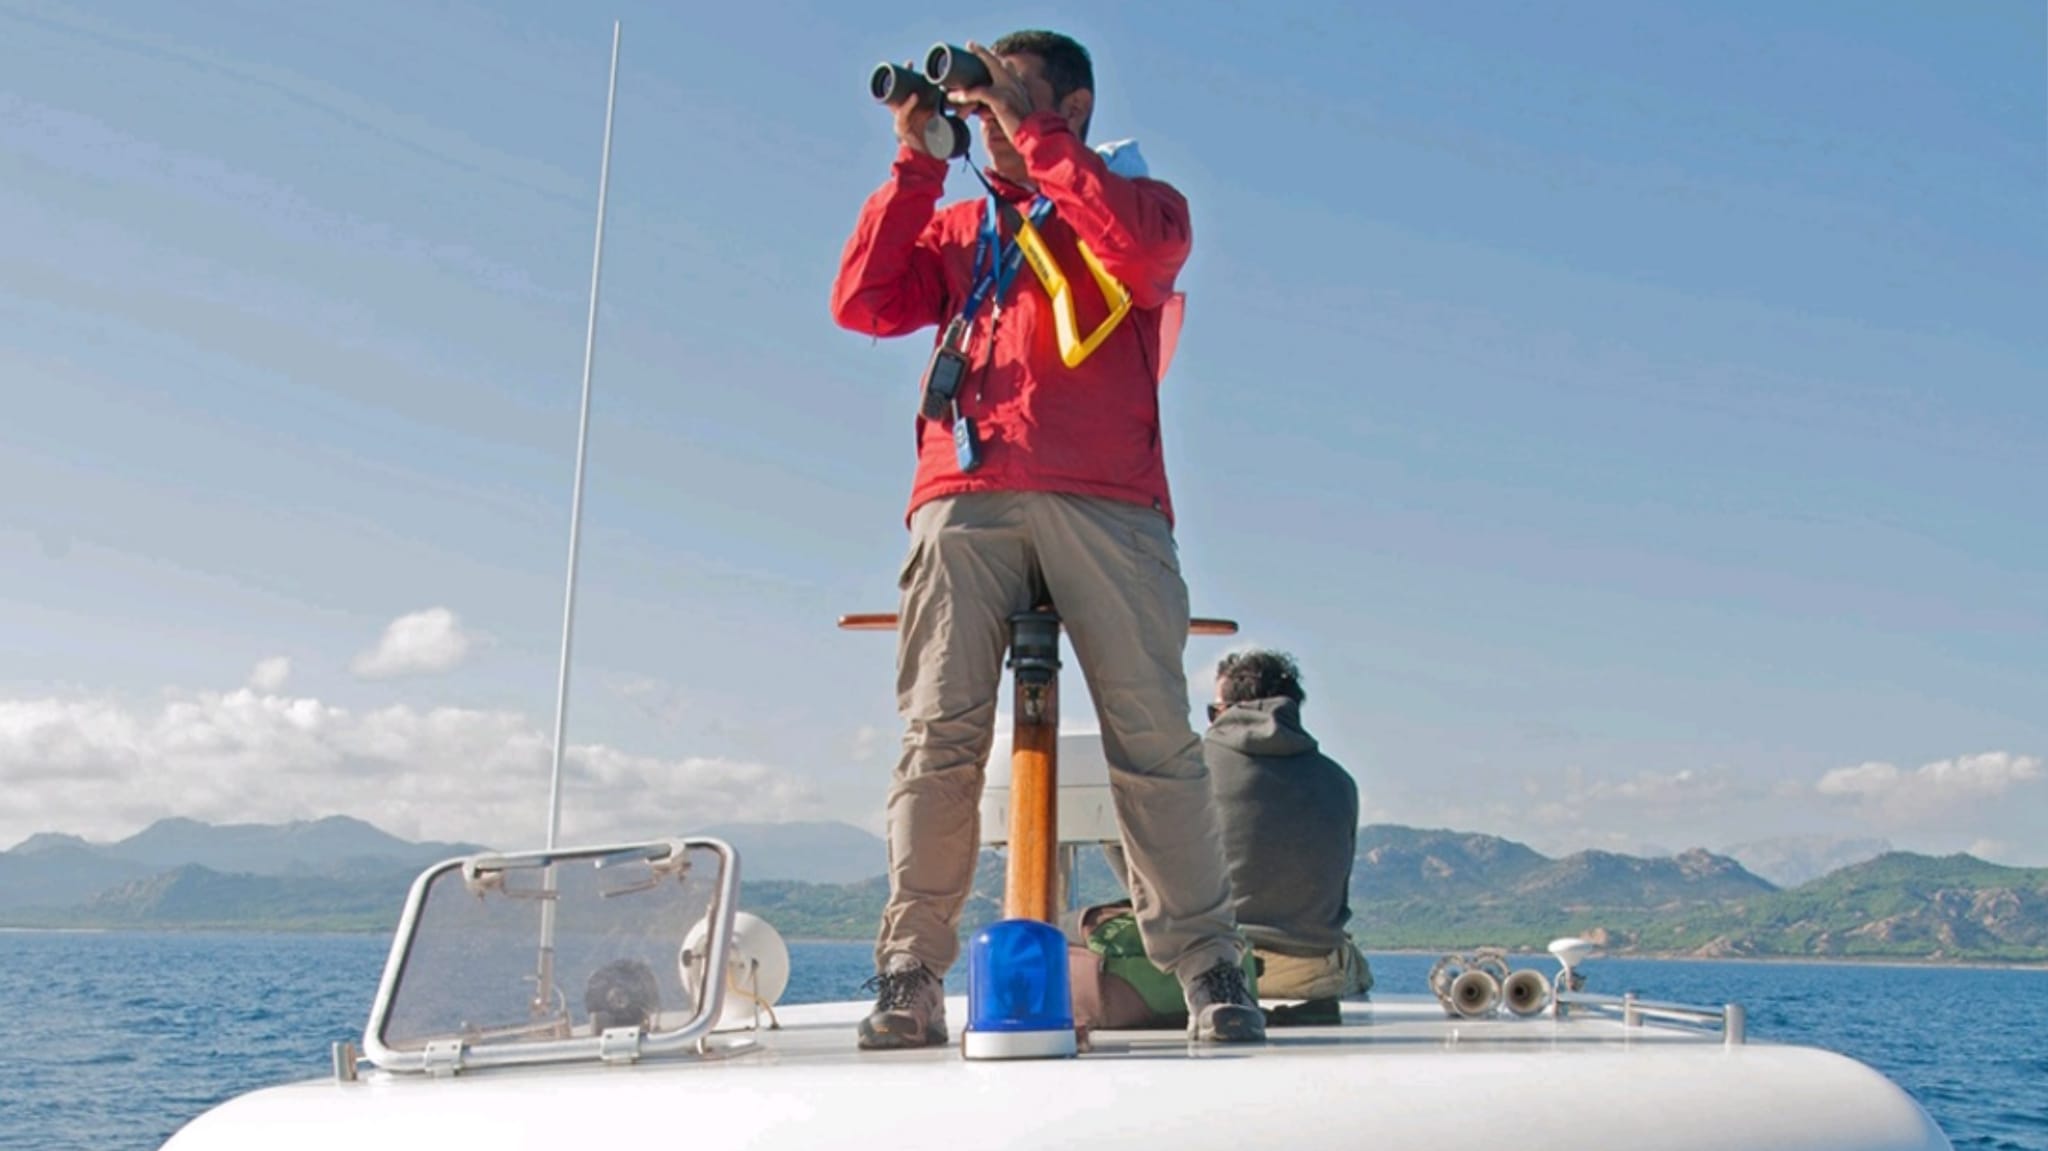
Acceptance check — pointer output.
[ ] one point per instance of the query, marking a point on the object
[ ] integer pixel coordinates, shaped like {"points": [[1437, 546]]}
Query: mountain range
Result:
{"points": [[1433, 889], [1789, 861], [1411, 888], [51, 871]]}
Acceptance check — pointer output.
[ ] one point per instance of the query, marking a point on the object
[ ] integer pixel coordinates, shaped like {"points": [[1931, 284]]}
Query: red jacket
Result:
{"points": [[1091, 430]]}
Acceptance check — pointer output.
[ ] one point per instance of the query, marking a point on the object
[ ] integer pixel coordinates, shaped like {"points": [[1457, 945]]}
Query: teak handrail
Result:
{"points": [[886, 621]]}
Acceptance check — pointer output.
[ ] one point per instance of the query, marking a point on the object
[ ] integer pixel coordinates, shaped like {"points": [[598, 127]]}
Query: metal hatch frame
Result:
{"points": [[624, 1044]]}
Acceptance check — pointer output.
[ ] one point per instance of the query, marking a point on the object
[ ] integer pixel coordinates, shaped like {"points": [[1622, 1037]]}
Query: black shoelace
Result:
{"points": [[896, 990], [1224, 983]]}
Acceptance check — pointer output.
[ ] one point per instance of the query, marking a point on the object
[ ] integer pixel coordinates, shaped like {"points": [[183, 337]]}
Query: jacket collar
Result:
{"points": [[1007, 190], [1263, 727]]}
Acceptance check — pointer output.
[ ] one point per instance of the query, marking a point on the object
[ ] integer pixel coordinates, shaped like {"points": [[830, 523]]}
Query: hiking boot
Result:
{"points": [[910, 1008], [1220, 1007]]}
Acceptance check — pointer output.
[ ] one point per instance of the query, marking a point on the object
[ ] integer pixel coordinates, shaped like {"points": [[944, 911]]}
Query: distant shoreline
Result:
{"points": [[57, 930], [1658, 956]]}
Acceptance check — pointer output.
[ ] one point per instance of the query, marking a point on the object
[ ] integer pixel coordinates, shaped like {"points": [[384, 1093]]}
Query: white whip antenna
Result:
{"points": [[582, 441], [544, 995]]}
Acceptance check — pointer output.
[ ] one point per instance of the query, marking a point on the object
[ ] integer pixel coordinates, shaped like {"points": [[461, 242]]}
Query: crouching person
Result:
{"points": [[1289, 817]]}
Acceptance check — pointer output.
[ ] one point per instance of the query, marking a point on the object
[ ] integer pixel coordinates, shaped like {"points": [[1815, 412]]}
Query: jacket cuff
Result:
{"points": [[1042, 136], [914, 168]]}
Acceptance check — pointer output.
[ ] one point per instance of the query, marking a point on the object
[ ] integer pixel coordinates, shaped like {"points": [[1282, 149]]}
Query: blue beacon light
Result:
{"points": [[1019, 1003]]}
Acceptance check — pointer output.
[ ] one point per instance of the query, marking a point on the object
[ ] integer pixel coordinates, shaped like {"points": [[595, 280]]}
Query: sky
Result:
{"points": [[1631, 415]]}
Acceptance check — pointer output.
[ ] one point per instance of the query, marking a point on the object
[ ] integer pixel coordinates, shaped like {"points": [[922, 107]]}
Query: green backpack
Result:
{"points": [[1111, 935]]}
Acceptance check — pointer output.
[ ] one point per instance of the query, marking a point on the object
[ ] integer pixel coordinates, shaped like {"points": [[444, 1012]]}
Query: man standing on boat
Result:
{"points": [[1039, 475], [1290, 833]]}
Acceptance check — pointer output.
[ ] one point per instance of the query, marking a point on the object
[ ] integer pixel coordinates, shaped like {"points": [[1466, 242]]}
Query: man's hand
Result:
{"points": [[911, 117], [1005, 96]]}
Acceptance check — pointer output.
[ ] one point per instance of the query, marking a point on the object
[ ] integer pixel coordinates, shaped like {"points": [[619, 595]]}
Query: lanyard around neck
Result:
{"points": [[1001, 263], [1030, 245]]}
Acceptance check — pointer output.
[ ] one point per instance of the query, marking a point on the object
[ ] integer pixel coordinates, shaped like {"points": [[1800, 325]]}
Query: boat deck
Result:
{"points": [[1395, 1073], [1402, 1025]]}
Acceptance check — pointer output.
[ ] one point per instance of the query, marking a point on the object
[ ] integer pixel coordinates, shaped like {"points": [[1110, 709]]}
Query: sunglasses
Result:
{"points": [[1216, 710]]}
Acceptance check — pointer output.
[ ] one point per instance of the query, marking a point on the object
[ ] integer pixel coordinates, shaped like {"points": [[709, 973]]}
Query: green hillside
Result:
{"points": [[1411, 888]]}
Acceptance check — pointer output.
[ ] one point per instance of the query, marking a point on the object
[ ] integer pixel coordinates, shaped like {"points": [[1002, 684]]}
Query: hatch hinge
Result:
{"points": [[443, 1057], [619, 1044]]}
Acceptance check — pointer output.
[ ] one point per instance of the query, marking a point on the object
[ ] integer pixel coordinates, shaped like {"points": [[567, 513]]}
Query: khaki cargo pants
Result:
{"points": [[1113, 574], [1341, 973]]}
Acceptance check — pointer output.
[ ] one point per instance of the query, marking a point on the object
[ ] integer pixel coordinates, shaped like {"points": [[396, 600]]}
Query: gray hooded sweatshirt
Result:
{"points": [[1289, 816]]}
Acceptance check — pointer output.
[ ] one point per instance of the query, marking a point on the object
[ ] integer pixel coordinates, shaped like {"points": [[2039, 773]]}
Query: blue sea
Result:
{"points": [[114, 1040]]}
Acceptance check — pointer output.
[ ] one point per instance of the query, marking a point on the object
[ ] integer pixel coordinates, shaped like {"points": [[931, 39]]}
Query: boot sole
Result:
{"points": [[1232, 1025], [872, 1039]]}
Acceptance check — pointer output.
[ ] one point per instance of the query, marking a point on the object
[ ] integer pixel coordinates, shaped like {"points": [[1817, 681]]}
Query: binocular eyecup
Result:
{"points": [[892, 84], [954, 67], [947, 66]]}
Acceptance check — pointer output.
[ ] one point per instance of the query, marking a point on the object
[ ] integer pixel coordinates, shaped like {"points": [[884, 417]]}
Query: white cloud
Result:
{"points": [[1863, 779], [1578, 796], [1927, 794], [425, 641], [271, 675], [104, 769], [1995, 802]]}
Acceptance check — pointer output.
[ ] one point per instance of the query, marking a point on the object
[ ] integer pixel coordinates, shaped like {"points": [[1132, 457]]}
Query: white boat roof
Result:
{"points": [[1397, 1073], [631, 1038]]}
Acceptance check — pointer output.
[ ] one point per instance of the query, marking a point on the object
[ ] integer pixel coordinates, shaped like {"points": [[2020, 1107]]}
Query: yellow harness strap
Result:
{"points": [[1073, 349]]}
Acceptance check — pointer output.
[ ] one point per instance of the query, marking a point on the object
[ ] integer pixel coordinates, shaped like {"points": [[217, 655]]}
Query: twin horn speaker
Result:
{"points": [[1477, 985]]}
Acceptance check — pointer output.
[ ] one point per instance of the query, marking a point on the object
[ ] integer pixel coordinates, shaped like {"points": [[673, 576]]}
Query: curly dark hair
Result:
{"points": [[1067, 65], [1243, 676]]}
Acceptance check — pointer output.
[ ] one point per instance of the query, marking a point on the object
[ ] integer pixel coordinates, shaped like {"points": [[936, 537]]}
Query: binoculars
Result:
{"points": [[946, 66]]}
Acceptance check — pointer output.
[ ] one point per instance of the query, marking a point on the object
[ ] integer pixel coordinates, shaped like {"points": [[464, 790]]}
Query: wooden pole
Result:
{"points": [[1029, 883], [1031, 877]]}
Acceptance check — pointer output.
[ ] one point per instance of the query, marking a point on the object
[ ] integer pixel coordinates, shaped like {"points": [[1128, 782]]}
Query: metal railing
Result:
{"points": [[1728, 1020]]}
